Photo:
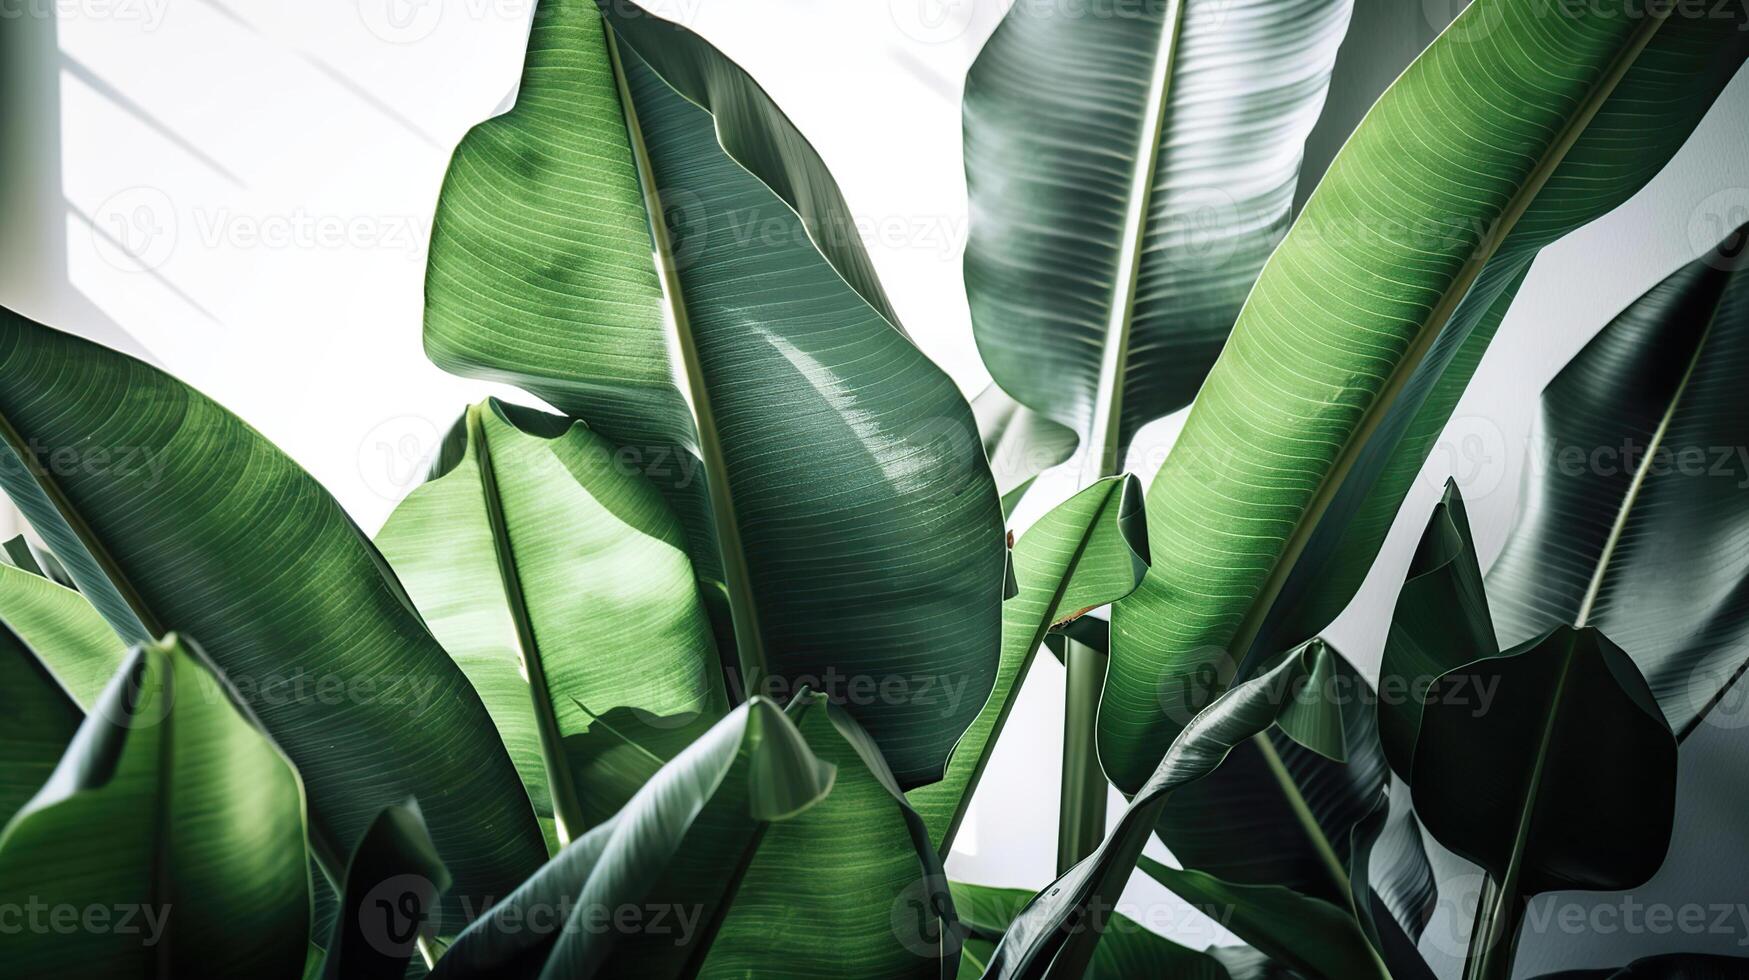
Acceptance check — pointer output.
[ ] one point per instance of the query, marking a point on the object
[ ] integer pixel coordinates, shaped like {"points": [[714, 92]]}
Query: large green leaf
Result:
{"points": [[1567, 780], [828, 473], [1315, 937], [172, 832], [172, 514], [1634, 514], [1055, 932], [69, 636], [1088, 551], [390, 894], [1129, 950], [37, 720], [682, 842], [1128, 175], [1279, 813], [528, 552], [1368, 321]]}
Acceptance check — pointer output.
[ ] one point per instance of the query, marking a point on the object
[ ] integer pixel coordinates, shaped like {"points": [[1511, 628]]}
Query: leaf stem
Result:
{"points": [[737, 578], [568, 815], [1081, 810]]}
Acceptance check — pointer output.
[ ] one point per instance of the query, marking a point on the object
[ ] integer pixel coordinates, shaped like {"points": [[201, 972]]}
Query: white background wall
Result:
{"points": [[243, 192]]}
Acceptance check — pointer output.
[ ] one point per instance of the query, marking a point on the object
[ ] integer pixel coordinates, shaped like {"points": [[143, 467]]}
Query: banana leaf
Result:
{"points": [[1128, 950], [527, 548], [829, 475], [172, 514], [168, 842], [1566, 779], [1369, 318], [1127, 177], [1633, 506], [390, 897], [1056, 933]]}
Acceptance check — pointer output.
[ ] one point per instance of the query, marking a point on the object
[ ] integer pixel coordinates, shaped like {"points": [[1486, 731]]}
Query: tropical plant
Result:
{"points": [[698, 677]]}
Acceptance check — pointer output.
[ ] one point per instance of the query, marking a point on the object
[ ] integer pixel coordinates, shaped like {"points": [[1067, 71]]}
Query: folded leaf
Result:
{"points": [[1633, 510], [1440, 623], [1128, 949], [391, 889], [1369, 318], [827, 472], [677, 850], [1052, 932], [852, 884], [1088, 551], [1278, 813], [1127, 177], [172, 828], [536, 558], [1311, 935], [172, 514], [1564, 779]]}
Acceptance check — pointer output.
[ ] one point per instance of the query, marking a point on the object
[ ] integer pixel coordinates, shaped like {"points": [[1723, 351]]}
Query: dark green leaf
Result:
{"points": [[171, 513], [1440, 622], [1311, 935], [1549, 766], [391, 888], [1670, 966], [1120, 209], [1278, 813], [37, 720], [755, 367], [1631, 523], [1128, 950], [1056, 931], [677, 851]]}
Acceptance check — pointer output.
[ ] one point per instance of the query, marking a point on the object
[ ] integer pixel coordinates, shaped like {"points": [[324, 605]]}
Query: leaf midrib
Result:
{"points": [[1624, 511], [567, 808], [1104, 434], [1331, 483], [737, 578]]}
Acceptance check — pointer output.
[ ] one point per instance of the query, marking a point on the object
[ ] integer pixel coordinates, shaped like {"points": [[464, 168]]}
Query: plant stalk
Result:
{"points": [[1081, 813]]}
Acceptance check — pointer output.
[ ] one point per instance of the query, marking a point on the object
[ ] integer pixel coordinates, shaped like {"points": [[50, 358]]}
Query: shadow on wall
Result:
{"points": [[34, 210]]}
